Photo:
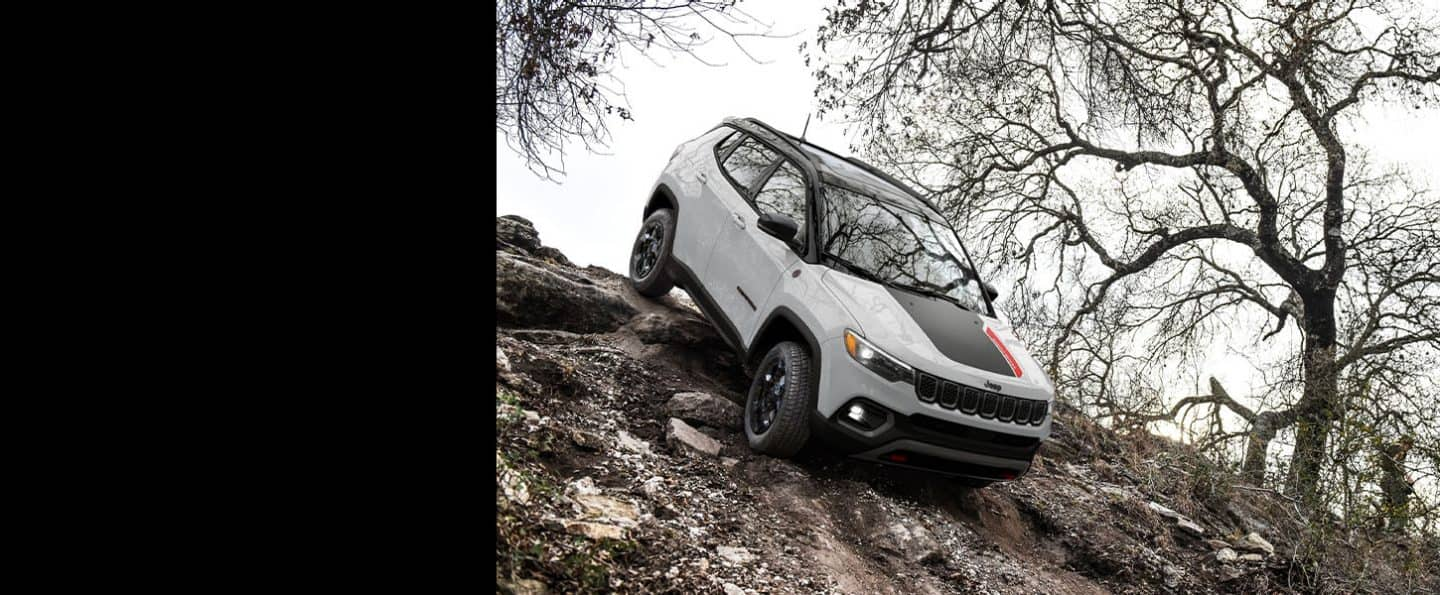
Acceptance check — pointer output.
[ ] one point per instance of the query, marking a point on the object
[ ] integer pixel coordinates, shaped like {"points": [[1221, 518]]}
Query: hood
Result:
{"points": [[956, 332], [931, 333]]}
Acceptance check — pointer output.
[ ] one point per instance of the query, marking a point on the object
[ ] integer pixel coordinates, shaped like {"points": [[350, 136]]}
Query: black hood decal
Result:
{"points": [[957, 332]]}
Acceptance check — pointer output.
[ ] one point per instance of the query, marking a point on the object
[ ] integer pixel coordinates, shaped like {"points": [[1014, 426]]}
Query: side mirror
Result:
{"points": [[990, 290], [778, 225]]}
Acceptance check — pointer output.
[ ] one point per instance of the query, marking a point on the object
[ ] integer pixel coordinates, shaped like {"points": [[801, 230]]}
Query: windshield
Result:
{"points": [[898, 247]]}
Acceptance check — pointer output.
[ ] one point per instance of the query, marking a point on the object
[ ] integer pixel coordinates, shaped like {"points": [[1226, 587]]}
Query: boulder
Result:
{"points": [[607, 510], [685, 439], [1226, 555], [595, 531], [707, 409], [911, 541], [517, 234], [628, 442], [1181, 520], [531, 296], [1253, 542], [1252, 558]]}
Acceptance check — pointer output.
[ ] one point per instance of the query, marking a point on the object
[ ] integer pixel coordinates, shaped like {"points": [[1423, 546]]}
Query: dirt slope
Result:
{"points": [[593, 494]]}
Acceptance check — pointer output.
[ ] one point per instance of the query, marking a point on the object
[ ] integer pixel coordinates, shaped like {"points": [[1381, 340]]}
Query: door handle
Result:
{"points": [[702, 177], [739, 220]]}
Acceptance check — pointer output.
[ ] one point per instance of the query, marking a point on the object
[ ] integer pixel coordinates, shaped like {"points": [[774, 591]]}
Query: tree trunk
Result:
{"points": [[1262, 431], [1394, 484], [1319, 403]]}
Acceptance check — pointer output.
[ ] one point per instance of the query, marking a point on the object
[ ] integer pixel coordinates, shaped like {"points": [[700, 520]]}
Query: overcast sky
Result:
{"points": [[592, 217]]}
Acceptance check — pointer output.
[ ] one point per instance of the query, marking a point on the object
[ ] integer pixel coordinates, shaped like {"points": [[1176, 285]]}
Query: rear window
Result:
{"points": [[730, 141], [748, 162]]}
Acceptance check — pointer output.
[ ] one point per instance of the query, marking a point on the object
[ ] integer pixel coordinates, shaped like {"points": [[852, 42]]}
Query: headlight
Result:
{"points": [[879, 362]]}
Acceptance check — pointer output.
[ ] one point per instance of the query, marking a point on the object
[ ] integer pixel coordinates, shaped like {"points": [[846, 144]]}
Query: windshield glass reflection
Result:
{"points": [[898, 246]]}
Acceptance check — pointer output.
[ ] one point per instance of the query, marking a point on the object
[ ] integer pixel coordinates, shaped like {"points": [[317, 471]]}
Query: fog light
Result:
{"points": [[857, 414], [864, 415]]}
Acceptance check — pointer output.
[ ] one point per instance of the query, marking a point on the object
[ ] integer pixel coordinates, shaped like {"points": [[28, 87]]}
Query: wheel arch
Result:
{"points": [[662, 198], [782, 324]]}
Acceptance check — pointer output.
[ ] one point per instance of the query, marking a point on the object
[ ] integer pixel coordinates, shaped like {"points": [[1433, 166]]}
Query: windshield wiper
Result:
{"points": [[857, 270], [930, 292]]}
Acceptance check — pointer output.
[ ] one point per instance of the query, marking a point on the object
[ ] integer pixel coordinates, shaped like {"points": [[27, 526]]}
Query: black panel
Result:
{"points": [[956, 332]]}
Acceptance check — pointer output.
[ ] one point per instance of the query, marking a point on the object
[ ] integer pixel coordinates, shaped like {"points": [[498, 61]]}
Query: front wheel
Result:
{"points": [[650, 257], [778, 409]]}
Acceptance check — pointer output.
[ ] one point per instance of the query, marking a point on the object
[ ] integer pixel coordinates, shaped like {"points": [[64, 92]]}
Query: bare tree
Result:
{"points": [[1235, 189], [554, 72]]}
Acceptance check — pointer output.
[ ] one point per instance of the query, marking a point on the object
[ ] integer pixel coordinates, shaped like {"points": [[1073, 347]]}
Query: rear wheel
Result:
{"points": [[650, 257], [778, 408]]}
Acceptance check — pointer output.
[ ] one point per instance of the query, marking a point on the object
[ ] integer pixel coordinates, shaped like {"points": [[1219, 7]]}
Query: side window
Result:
{"points": [[784, 193], [730, 141], [747, 163]]}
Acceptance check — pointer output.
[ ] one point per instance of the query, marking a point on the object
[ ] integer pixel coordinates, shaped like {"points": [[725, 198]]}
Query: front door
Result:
{"points": [[746, 263]]}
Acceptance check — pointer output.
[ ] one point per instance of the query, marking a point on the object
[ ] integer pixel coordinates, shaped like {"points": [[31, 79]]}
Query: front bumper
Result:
{"points": [[914, 433]]}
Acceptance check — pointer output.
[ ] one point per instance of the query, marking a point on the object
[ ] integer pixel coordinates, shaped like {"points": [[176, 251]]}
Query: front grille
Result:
{"points": [[973, 401]]}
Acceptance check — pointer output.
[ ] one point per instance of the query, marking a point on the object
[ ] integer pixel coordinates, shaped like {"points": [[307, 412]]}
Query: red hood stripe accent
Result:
{"points": [[1014, 365]]}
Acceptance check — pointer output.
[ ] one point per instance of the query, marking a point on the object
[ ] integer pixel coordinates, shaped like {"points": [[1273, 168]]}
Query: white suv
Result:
{"points": [[852, 301]]}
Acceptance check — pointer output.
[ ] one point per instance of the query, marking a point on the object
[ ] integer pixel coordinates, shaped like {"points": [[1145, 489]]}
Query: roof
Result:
{"points": [[840, 170]]}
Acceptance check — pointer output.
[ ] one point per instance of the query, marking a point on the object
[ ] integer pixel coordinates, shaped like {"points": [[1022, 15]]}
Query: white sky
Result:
{"points": [[594, 215]]}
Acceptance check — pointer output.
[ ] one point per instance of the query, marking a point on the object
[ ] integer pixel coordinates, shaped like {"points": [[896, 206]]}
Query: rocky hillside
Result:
{"points": [[620, 467]]}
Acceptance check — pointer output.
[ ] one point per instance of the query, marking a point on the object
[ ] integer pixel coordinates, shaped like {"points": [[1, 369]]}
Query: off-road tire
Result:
{"points": [[653, 281], [789, 429]]}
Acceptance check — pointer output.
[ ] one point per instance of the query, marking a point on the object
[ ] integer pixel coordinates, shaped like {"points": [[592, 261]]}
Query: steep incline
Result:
{"points": [[609, 481]]}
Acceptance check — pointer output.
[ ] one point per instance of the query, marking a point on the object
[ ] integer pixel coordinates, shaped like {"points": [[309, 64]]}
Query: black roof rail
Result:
{"points": [[891, 179], [877, 172], [784, 137]]}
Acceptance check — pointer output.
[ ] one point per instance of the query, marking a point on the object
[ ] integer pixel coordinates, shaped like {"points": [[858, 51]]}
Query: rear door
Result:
{"points": [[701, 219], [746, 262]]}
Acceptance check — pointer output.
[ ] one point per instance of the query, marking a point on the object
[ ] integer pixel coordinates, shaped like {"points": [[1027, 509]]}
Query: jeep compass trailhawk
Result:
{"points": [[852, 300]]}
